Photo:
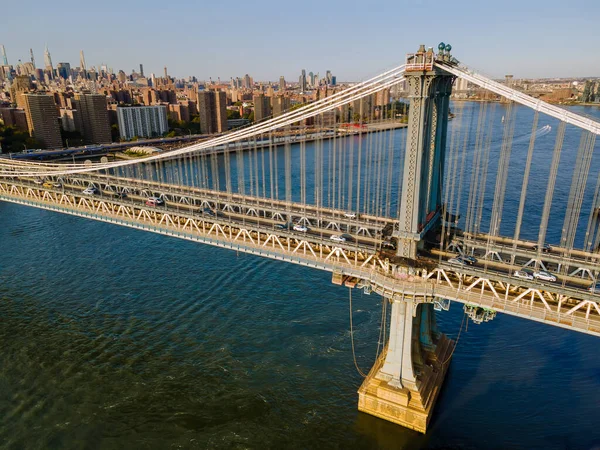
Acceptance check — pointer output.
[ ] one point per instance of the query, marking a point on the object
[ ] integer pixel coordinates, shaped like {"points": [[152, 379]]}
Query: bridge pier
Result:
{"points": [[404, 383]]}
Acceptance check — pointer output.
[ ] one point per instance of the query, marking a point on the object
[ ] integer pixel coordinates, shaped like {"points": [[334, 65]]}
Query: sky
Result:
{"points": [[266, 39]]}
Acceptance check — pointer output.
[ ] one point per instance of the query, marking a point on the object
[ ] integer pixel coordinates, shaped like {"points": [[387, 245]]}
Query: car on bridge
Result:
{"points": [[544, 275], [544, 247], [525, 274], [38, 181], [337, 238], [350, 215], [594, 288], [48, 184], [57, 184], [154, 201], [119, 194], [457, 261], [91, 190], [300, 228], [470, 260]]}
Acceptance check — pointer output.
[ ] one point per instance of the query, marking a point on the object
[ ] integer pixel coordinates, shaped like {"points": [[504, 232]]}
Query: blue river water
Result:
{"points": [[114, 338]]}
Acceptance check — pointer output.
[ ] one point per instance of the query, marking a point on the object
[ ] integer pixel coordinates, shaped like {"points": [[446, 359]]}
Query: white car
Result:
{"points": [[543, 275], [525, 274], [350, 215], [337, 238], [301, 228], [91, 191]]}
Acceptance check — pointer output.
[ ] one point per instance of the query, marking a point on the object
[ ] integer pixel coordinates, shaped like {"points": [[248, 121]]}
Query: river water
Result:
{"points": [[116, 338]]}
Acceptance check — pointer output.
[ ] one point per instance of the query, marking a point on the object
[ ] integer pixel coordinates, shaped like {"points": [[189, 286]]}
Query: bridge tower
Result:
{"points": [[421, 200], [404, 383]]}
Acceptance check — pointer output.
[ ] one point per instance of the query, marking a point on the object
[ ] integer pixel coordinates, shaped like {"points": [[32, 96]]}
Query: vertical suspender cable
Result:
{"points": [[526, 179], [580, 177], [560, 135]]}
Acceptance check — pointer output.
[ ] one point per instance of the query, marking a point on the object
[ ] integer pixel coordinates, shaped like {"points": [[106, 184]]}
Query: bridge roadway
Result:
{"points": [[570, 261], [354, 263], [331, 219]]}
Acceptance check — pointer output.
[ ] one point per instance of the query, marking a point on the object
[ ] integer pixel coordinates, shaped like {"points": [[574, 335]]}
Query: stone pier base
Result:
{"points": [[409, 405]]}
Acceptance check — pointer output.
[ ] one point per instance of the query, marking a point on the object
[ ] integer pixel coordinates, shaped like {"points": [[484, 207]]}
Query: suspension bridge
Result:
{"points": [[417, 220]]}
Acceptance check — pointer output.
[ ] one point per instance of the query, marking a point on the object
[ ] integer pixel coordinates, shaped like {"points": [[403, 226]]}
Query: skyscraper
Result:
{"points": [[247, 82], [42, 119], [3, 53], [94, 118], [48, 60], [302, 81], [212, 111], [32, 58], [64, 70], [166, 76], [281, 83], [142, 70], [262, 107], [82, 66]]}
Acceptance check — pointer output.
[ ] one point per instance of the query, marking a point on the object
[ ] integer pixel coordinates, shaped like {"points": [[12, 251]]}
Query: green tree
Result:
{"points": [[232, 114]]}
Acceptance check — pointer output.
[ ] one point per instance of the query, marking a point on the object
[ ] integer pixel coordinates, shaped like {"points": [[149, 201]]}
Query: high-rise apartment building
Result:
{"points": [[94, 118], [142, 121], [281, 104], [212, 109], [42, 119], [262, 107]]}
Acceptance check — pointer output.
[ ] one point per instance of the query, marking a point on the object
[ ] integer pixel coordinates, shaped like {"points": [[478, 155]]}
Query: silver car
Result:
{"points": [[525, 274], [544, 275]]}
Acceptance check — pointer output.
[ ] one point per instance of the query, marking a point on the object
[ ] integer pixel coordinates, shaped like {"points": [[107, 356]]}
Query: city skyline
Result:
{"points": [[310, 46]]}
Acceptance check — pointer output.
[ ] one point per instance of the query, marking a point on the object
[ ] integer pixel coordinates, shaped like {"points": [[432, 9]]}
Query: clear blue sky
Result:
{"points": [[528, 38]]}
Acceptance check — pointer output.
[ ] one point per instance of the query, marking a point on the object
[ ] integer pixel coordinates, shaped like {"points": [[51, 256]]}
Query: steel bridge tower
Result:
{"points": [[404, 383], [421, 200]]}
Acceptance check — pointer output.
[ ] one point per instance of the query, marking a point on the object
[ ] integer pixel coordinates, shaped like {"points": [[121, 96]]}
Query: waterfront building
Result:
{"points": [[42, 119], [142, 121], [95, 126], [212, 109]]}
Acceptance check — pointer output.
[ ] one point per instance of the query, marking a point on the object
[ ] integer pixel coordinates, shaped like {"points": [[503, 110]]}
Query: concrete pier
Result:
{"points": [[403, 385]]}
